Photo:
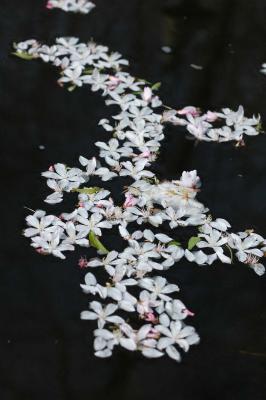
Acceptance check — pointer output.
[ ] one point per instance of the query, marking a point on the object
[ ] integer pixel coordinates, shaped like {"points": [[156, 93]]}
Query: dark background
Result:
{"points": [[46, 351]]}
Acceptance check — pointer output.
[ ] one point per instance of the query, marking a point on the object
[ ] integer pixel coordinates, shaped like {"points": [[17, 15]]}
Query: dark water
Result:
{"points": [[46, 351]]}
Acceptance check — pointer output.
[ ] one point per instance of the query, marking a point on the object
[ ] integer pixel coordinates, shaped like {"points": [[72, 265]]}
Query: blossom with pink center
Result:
{"points": [[210, 116], [189, 110], [49, 5], [41, 251], [130, 201], [113, 82], [145, 154], [150, 317], [188, 312], [82, 263], [100, 205], [153, 334]]}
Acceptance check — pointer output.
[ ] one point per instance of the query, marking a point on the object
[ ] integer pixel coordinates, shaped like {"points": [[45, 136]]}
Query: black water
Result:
{"points": [[46, 351]]}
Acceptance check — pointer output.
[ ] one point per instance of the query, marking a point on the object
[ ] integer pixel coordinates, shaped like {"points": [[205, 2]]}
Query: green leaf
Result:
{"points": [[174, 243], [143, 80], [23, 54], [86, 190], [71, 88], [259, 127], [156, 86], [95, 242], [88, 71], [192, 242], [230, 251]]}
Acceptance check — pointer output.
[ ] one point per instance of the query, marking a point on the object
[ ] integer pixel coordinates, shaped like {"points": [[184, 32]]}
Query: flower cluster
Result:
{"points": [[88, 63], [77, 6], [154, 323], [230, 125]]}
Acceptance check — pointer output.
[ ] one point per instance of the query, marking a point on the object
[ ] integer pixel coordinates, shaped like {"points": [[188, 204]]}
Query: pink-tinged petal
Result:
{"points": [[189, 110]]}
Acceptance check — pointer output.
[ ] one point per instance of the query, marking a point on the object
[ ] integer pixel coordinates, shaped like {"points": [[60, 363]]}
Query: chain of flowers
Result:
{"points": [[77, 6], [131, 285]]}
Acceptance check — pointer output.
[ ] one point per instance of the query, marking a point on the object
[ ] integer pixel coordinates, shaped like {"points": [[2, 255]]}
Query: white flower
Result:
{"points": [[39, 222], [75, 237], [72, 76], [198, 127], [239, 122], [245, 244], [174, 217], [146, 302], [159, 287], [93, 199], [97, 80], [102, 314], [71, 177], [104, 343], [113, 60], [91, 285], [106, 262], [111, 149], [176, 310], [142, 215], [135, 171], [48, 53], [184, 336], [220, 224], [94, 223], [214, 240], [58, 187], [49, 243], [90, 165], [122, 101], [198, 257]]}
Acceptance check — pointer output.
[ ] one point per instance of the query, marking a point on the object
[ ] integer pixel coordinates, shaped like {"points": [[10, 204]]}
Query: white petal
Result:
{"points": [[152, 353], [173, 353], [128, 344], [88, 315]]}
